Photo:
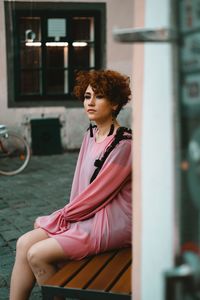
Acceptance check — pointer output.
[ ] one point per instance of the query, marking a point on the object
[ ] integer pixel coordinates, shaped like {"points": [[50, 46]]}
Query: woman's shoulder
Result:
{"points": [[121, 143], [123, 133], [123, 136]]}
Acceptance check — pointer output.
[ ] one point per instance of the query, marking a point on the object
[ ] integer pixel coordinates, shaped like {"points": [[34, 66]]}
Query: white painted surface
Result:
{"points": [[157, 170], [154, 215], [157, 161]]}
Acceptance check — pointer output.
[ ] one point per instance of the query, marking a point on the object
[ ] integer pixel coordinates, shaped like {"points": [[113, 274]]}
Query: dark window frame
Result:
{"points": [[15, 9]]}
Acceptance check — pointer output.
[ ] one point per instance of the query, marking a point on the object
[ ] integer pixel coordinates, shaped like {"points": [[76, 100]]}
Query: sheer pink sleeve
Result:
{"points": [[115, 172]]}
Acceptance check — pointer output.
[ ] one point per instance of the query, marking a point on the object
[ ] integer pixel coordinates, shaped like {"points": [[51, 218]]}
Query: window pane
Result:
{"points": [[92, 57], [57, 56], [30, 29], [56, 28], [57, 62], [66, 86], [30, 82], [55, 81], [83, 57], [30, 56], [83, 29], [50, 44]]}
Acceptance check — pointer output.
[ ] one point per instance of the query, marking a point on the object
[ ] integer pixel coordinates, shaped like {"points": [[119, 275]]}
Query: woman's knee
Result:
{"points": [[30, 238], [33, 255], [45, 252], [22, 244]]}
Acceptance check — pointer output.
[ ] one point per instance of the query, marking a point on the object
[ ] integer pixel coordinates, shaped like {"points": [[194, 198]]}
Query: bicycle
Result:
{"points": [[15, 152]]}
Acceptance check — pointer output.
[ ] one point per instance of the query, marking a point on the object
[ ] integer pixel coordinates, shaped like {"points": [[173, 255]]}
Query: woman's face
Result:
{"points": [[98, 108]]}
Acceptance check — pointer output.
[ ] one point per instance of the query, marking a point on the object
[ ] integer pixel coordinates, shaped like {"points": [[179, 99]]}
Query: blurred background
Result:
{"points": [[156, 43]]}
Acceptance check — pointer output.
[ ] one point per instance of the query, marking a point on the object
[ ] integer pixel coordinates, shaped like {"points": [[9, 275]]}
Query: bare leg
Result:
{"points": [[23, 279], [43, 257]]}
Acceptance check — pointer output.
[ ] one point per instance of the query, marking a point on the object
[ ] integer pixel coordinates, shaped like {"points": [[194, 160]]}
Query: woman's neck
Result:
{"points": [[104, 129]]}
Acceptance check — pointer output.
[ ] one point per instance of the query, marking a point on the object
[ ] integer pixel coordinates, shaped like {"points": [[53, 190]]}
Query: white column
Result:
{"points": [[157, 169], [154, 212]]}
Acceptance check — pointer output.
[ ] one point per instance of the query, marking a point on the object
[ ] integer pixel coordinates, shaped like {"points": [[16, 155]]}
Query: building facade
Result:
{"points": [[43, 45]]}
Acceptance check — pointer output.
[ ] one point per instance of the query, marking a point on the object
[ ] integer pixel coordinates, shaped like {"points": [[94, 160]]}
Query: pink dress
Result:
{"points": [[98, 215]]}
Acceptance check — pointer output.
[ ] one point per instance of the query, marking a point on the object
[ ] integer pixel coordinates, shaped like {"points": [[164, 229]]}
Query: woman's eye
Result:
{"points": [[86, 97], [99, 96]]}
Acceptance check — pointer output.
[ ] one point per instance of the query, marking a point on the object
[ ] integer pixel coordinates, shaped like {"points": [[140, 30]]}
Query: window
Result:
{"points": [[48, 43]]}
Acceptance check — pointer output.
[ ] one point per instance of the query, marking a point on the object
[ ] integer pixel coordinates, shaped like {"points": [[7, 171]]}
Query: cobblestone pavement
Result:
{"points": [[41, 188]]}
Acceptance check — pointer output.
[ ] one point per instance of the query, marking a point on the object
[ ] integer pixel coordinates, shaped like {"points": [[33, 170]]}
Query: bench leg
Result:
{"points": [[46, 295]]}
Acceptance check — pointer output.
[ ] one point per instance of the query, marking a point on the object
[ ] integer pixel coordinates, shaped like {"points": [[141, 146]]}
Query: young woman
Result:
{"points": [[98, 215]]}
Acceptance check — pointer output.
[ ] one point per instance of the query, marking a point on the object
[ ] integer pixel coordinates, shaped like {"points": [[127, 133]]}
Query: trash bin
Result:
{"points": [[45, 134]]}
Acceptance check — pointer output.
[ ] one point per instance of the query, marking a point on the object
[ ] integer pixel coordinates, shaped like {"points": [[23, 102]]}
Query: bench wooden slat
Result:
{"points": [[103, 276], [123, 285], [85, 275], [108, 276], [66, 273]]}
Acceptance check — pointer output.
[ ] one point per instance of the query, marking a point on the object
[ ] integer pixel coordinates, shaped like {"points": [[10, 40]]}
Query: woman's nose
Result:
{"points": [[91, 101]]}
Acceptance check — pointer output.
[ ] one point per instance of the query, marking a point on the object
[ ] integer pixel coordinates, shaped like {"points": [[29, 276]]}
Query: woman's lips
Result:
{"points": [[91, 110]]}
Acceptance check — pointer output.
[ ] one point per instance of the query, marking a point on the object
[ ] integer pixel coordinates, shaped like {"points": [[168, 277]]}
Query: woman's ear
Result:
{"points": [[115, 106]]}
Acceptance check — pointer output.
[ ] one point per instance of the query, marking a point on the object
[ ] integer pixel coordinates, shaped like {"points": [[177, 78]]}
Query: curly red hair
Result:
{"points": [[112, 85]]}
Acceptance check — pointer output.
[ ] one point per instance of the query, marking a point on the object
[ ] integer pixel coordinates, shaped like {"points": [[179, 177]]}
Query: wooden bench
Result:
{"points": [[104, 276]]}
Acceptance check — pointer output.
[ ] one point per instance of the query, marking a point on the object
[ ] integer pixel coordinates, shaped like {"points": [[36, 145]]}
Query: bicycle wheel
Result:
{"points": [[14, 154]]}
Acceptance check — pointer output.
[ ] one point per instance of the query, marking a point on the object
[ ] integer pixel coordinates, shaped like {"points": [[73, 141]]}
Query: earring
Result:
{"points": [[91, 129]]}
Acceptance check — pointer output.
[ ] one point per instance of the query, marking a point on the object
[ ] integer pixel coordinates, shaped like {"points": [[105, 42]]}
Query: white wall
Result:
{"points": [[154, 199], [118, 57], [157, 170]]}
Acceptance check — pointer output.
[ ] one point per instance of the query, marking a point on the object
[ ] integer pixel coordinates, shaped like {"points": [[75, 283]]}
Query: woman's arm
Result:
{"points": [[115, 172]]}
